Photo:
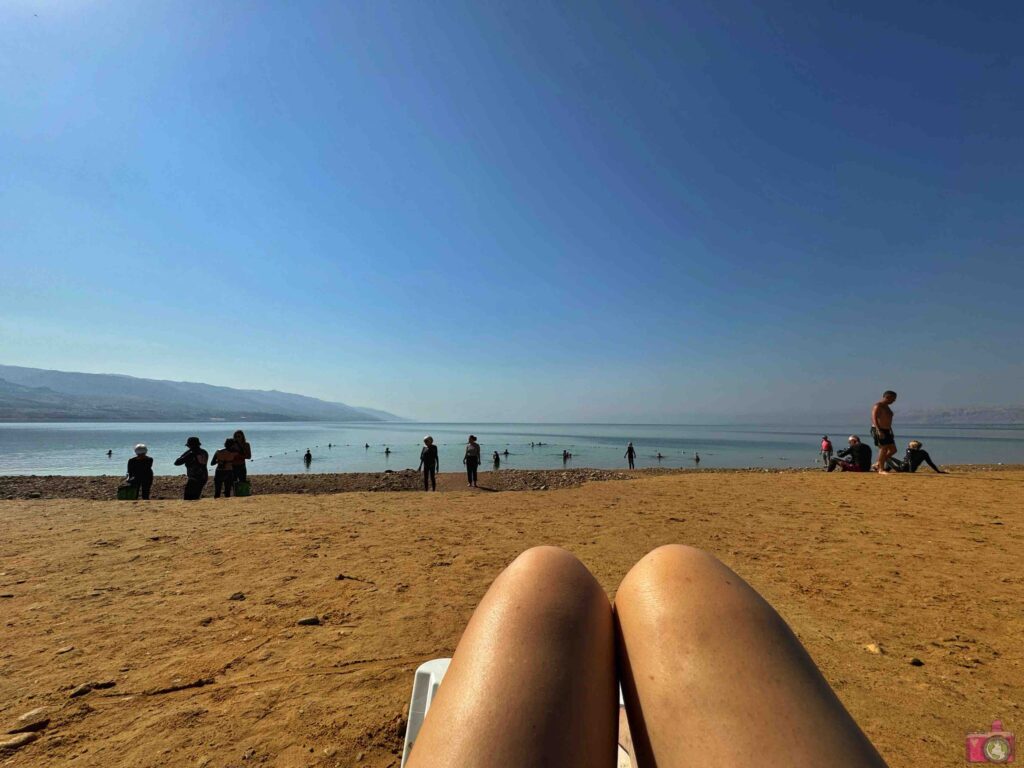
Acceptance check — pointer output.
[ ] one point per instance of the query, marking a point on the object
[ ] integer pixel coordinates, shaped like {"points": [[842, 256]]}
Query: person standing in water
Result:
{"points": [[471, 460], [194, 459], [224, 475], [696, 458], [140, 470], [630, 454], [496, 458], [243, 451], [429, 463], [881, 430], [110, 454], [308, 458]]}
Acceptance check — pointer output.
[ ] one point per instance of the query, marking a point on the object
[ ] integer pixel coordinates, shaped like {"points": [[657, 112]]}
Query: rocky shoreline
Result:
{"points": [[104, 487]]}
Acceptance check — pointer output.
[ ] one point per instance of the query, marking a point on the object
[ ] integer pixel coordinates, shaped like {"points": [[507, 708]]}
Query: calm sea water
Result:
{"points": [[80, 449]]}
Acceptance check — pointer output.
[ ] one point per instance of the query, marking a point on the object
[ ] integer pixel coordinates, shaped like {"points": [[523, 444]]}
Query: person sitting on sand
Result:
{"points": [[472, 460], [224, 476], [856, 458], [826, 450], [196, 474], [711, 674], [429, 463], [140, 470], [881, 430], [630, 454], [242, 453], [915, 456]]}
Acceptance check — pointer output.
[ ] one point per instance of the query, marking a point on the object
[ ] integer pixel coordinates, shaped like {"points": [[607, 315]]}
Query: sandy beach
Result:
{"points": [[905, 589]]}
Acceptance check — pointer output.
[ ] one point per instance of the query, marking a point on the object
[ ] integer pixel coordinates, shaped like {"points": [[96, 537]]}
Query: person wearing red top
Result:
{"points": [[826, 449]]}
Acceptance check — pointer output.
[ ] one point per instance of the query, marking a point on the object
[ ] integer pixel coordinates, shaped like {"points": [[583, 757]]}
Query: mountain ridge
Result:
{"points": [[38, 394]]}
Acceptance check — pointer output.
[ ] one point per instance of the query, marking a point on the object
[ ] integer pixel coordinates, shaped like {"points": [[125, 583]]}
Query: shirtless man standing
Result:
{"points": [[881, 430]]}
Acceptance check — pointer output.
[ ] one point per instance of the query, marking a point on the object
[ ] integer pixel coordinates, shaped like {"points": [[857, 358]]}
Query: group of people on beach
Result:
{"points": [[857, 457], [229, 462], [430, 463]]}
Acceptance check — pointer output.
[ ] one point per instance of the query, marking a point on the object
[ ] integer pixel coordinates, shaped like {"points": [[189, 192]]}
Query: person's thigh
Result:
{"points": [[712, 675], [532, 681]]}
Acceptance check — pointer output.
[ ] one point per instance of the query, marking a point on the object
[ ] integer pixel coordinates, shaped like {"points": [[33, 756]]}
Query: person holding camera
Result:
{"points": [[194, 459]]}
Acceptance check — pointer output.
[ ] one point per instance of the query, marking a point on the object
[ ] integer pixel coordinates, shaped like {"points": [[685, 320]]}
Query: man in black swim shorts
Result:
{"points": [[881, 430]]}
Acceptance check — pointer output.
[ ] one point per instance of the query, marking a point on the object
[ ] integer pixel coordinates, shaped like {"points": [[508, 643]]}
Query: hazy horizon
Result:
{"points": [[612, 214]]}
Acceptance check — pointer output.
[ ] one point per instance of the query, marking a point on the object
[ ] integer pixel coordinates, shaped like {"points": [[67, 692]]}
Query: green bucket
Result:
{"points": [[243, 488], [127, 492]]}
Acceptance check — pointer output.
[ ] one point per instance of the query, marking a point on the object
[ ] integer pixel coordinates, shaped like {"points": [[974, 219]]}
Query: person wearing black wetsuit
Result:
{"points": [[140, 470], [630, 454], [914, 458], [196, 474], [308, 458], [856, 458], [429, 463]]}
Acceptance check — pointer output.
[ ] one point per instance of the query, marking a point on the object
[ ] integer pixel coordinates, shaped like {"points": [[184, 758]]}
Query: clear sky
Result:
{"points": [[515, 211]]}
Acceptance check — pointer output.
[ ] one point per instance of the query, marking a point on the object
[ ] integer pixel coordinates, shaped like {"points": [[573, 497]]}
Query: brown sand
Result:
{"points": [[927, 567]]}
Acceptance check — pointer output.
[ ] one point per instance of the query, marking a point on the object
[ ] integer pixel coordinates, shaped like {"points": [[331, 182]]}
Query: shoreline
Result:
{"points": [[169, 487]]}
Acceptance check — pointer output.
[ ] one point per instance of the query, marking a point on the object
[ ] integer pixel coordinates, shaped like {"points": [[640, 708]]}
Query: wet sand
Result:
{"points": [[924, 567]]}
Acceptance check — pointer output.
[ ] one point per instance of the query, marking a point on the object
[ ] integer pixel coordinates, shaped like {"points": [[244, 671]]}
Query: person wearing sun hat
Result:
{"points": [[140, 470], [472, 460], [430, 464]]}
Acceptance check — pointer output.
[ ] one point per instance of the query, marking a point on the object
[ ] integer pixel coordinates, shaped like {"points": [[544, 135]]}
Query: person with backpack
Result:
{"points": [[472, 460], [194, 459]]}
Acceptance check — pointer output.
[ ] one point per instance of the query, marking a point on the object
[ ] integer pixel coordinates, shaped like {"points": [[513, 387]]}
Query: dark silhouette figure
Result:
{"points": [[194, 459], [471, 460], [916, 456], [140, 470], [630, 454], [308, 458], [110, 454], [243, 451], [497, 460], [224, 475], [696, 458], [429, 463]]}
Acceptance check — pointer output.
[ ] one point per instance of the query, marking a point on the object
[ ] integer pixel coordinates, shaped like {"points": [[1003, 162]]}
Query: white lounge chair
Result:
{"points": [[424, 688]]}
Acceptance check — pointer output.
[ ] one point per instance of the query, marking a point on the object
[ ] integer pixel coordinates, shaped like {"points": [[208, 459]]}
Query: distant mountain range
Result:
{"points": [[979, 415], [35, 394]]}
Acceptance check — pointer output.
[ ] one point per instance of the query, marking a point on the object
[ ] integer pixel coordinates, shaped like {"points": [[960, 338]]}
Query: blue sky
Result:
{"points": [[463, 211]]}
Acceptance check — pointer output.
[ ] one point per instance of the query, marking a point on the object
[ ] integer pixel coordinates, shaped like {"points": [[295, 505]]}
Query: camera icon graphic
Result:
{"points": [[996, 746]]}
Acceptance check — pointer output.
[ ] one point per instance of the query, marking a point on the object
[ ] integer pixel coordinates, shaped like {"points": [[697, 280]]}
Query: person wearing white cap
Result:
{"points": [[140, 470], [430, 464]]}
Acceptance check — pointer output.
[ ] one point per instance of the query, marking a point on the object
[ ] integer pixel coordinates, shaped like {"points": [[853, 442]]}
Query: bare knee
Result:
{"points": [[551, 580], [679, 579]]}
